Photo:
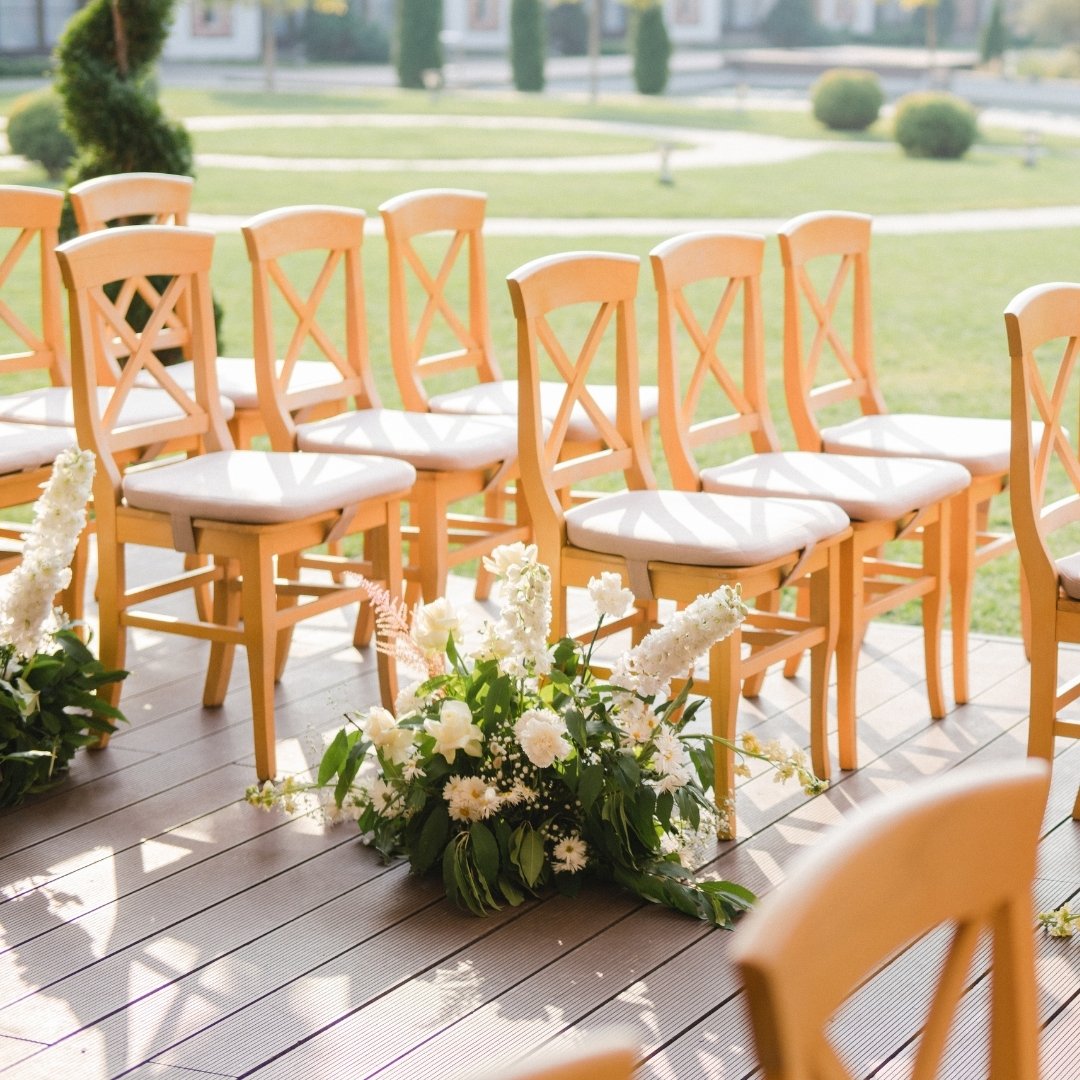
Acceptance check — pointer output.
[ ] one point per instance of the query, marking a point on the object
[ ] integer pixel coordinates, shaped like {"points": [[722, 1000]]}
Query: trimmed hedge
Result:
{"points": [[36, 132], [568, 28], [527, 44], [651, 48], [847, 99], [347, 37], [419, 47], [935, 124]]}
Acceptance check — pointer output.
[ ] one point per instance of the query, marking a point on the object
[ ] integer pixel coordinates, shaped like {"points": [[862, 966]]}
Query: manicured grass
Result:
{"points": [[436, 142]]}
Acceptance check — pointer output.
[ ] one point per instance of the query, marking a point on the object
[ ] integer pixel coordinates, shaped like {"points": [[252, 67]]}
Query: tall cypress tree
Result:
{"points": [[419, 48], [527, 44]]}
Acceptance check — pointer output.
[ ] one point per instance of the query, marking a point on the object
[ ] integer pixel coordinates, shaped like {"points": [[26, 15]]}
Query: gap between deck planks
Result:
{"points": [[159, 928]]}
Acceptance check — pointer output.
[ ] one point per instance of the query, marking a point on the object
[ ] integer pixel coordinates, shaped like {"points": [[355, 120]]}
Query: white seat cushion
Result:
{"points": [[431, 441], [260, 488], [865, 488], [980, 445], [26, 446], [700, 529], [1069, 572], [236, 378], [52, 406], [501, 399]]}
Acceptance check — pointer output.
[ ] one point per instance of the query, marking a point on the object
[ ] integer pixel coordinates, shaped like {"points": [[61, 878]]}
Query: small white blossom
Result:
{"points": [[611, 600], [542, 735], [409, 700], [455, 730], [570, 855]]}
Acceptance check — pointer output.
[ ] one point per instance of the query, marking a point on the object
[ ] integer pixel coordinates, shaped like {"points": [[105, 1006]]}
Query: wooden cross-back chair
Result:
{"points": [[1045, 494], [704, 402], [165, 199], [673, 545], [246, 510], [842, 240], [455, 456], [416, 218], [959, 851], [30, 217]]}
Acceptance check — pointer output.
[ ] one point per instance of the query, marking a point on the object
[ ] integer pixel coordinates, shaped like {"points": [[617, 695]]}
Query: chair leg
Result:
{"points": [[848, 642], [1044, 682], [386, 566], [288, 568], [226, 613], [364, 629], [936, 563], [494, 507], [961, 585], [802, 609], [824, 603], [430, 508], [1025, 614], [112, 635], [73, 598], [724, 680], [259, 606]]}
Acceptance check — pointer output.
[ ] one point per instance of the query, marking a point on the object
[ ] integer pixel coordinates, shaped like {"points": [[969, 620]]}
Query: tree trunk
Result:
{"points": [[269, 49]]}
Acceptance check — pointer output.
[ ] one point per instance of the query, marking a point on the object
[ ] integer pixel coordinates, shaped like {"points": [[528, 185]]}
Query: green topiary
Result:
{"points": [[568, 28], [651, 49], [527, 44], [419, 47], [792, 22], [934, 124], [847, 99], [346, 37], [105, 79], [995, 36], [35, 130]]}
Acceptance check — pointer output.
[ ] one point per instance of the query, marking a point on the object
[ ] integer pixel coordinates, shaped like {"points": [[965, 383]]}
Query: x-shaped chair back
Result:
{"points": [[31, 218], [291, 318], [702, 402], [143, 199], [413, 220], [971, 840], [815, 341], [605, 286]]}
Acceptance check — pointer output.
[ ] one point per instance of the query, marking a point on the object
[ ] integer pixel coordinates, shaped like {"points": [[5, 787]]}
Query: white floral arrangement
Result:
{"points": [[516, 768], [48, 677]]}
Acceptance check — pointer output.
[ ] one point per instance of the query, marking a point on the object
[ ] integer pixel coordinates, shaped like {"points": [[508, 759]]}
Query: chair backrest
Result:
{"points": [[700, 278], [159, 198], [602, 288], [31, 217], [958, 850], [137, 198], [450, 221], [839, 244], [88, 264], [332, 236], [1043, 323]]}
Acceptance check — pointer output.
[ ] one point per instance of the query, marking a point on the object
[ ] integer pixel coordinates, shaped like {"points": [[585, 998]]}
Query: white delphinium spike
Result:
{"points": [[26, 602]]}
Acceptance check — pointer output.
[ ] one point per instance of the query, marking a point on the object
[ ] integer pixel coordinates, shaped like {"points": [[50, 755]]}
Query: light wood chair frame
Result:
{"points": [[1038, 318], [870, 584], [439, 539], [609, 283], [845, 237], [33, 215], [959, 850], [251, 607]]}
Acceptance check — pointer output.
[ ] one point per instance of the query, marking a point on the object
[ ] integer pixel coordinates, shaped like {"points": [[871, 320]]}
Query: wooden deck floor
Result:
{"points": [[155, 926]]}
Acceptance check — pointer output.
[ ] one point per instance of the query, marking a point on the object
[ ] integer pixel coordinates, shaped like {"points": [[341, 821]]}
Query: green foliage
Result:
{"points": [[995, 35], [36, 132], [933, 124], [38, 736], [346, 37], [1053, 21], [651, 49], [419, 48], [847, 99], [110, 99], [791, 23], [568, 28], [527, 44]]}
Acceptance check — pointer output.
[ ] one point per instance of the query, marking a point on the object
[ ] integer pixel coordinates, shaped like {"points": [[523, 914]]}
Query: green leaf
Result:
{"points": [[513, 895], [333, 757], [627, 773], [529, 857], [485, 851], [432, 839], [575, 728], [590, 784]]}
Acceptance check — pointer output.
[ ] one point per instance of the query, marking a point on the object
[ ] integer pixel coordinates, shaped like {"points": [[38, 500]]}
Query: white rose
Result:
{"points": [[433, 624], [507, 558], [454, 731]]}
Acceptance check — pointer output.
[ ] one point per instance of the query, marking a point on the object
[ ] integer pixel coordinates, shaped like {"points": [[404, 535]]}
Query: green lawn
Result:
{"points": [[938, 299]]}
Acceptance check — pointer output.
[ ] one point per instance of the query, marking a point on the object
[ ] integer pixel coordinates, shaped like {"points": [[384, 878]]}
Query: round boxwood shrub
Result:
{"points": [[35, 131], [847, 99], [568, 28], [791, 23], [345, 38], [934, 124]]}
